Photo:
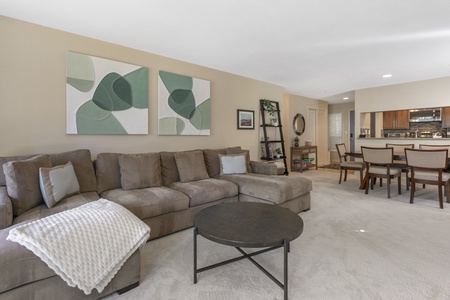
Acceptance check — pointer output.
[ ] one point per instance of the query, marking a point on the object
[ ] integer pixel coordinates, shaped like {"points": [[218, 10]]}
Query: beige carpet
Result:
{"points": [[354, 246]]}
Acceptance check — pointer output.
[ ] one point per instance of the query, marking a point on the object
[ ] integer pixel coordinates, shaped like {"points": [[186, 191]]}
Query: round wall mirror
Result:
{"points": [[299, 124]]}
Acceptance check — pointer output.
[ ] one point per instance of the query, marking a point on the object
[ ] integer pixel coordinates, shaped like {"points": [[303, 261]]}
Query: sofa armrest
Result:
{"points": [[6, 213], [266, 168]]}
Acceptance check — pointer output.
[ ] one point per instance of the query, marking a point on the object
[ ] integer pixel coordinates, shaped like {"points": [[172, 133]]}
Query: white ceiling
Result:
{"points": [[324, 49]]}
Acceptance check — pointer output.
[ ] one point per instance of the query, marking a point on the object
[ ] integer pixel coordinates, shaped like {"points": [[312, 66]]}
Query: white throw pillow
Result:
{"points": [[232, 164], [58, 183]]}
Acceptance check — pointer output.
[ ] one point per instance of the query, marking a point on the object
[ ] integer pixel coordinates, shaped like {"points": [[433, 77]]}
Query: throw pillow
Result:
{"points": [[241, 151], [58, 183], [139, 171], [191, 165], [232, 164], [22, 182]]}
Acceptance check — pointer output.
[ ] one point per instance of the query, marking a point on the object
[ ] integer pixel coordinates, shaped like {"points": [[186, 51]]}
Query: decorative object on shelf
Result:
{"points": [[270, 152], [308, 143], [105, 96], [245, 119], [296, 140], [299, 124], [271, 110], [184, 105], [278, 153]]}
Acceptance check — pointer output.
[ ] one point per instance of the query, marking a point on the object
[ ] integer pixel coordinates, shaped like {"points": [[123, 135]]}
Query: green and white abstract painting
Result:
{"points": [[184, 105], [105, 96]]}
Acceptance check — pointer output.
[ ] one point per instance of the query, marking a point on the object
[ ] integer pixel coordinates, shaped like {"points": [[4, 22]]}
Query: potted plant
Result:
{"points": [[271, 110], [278, 152]]}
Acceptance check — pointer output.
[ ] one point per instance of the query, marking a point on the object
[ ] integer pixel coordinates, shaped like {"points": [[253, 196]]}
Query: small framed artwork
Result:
{"points": [[245, 119]]}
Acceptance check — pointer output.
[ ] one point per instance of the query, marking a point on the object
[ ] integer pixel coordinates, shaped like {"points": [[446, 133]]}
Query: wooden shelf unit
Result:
{"points": [[303, 152]]}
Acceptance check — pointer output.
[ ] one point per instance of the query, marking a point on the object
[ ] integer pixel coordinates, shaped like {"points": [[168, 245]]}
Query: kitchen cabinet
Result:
{"points": [[397, 119], [445, 117]]}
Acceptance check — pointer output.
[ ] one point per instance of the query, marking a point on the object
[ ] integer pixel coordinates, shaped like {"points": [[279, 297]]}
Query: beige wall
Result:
{"points": [[32, 95], [297, 104]]}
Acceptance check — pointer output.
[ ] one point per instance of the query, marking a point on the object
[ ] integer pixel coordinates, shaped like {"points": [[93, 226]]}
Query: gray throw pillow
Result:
{"points": [[139, 171], [241, 151], [22, 182], [191, 165], [58, 183]]}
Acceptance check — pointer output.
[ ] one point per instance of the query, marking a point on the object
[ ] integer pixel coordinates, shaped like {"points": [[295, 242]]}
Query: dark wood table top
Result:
{"points": [[248, 224]]}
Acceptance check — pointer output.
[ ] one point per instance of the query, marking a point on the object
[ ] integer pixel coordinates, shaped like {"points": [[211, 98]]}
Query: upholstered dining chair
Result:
{"points": [[427, 167], [345, 165], [400, 162], [378, 162]]}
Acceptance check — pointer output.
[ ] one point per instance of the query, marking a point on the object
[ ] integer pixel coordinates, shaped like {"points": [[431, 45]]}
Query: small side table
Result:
{"points": [[303, 152]]}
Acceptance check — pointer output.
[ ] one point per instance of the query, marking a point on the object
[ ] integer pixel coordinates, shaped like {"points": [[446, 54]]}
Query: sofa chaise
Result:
{"points": [[165, 190]]}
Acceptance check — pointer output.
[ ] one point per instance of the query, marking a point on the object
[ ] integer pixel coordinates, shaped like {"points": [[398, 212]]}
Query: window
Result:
{"points": [[335, 129]]}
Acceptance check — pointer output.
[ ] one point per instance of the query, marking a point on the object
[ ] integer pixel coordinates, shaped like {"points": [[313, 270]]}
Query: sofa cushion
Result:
{"points": [[149, 202], [107, 171], [5, 159], [276, 189], [82, 164], [42, 211], [191, 165], [140, 170], [58, 183], [169, 171], [22, 265], [22, 182], [206, 190], [238, 150], [6, 210], [232, 164]]}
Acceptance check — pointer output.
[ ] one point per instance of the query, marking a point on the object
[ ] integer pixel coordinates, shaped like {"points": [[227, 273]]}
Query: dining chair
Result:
{"points": [[378, 163], [400, 162], [427, 167], [345, 165]]}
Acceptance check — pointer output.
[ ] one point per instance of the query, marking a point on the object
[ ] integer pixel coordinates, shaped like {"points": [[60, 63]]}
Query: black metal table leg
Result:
{"points": [[195, 254], [286, 251]]}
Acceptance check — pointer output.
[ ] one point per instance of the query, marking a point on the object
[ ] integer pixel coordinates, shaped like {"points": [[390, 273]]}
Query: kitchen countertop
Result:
{"points": [[402, 138]]}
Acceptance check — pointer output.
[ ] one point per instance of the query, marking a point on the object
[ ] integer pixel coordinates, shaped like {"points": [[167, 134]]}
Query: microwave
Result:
{"points": [[425, 115]]}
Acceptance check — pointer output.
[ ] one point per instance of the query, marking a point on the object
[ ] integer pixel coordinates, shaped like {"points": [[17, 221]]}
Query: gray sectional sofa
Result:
{"points": [[165, 190]]}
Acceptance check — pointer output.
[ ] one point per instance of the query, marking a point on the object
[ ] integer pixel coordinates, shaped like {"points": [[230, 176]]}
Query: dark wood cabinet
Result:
{"points": [[445, 117], [397, 119]]}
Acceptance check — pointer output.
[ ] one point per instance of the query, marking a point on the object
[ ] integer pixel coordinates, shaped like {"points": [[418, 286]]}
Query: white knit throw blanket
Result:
{"points": [[86, 246]]}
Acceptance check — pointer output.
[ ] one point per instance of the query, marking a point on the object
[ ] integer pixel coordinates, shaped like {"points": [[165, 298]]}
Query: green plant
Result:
{"points": [[269, 107]]}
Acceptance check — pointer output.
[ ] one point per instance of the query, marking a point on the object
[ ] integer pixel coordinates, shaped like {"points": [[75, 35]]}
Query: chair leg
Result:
{"points": [[345, 175], [447, 191], [360, 176], [400, 184], [340, 176], [441, 201], [411, 191], [368, 179], [388, 186], [407, 180]]}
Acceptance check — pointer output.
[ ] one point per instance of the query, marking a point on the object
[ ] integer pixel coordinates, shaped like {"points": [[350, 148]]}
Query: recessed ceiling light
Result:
{"points": [[387, 75], [345, 98]]}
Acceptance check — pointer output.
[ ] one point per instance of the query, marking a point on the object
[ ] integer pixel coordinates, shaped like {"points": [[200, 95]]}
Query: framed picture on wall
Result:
{"points": [[245, 119]]}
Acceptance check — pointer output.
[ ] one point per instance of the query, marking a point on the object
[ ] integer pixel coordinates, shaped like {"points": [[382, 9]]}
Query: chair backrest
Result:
{"points": [[400, 148], [434, 147], [379, 156], [427, 159], [341, 149]]}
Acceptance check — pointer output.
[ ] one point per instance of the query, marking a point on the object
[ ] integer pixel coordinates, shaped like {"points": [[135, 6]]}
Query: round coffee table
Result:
{"points": [[248, 225]]}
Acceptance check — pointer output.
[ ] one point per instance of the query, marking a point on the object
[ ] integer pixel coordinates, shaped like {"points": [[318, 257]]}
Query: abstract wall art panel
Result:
{"points": [[183, 105], [105, 96]]}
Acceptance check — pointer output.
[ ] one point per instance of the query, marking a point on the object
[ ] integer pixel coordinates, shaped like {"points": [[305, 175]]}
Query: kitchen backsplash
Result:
{"points": [[426, 127]]}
